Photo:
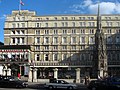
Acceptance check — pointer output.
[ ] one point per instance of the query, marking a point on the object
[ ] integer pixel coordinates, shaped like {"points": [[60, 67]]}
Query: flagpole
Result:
{"points": [[19, 6]]}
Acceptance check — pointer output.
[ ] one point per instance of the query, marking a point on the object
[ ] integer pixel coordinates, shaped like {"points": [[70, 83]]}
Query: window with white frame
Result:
{"points": [[37, 25], [37, 39], [37, 47], [37, 32], [55, 47], [46, 24], [55, 57], [117, 23], [73, 31], [46, 57], [73, 24], [91, 24], [109, 31], [66, 24], [82, 31], [64, 47], [18, 40], [55, 24], [46, 31], [91, 31], [64, 56], [18, 25], [64, 40], [37, 57], [23, 25], [46, 47], [109, 24], [91, 40], [64, 31], [73, 47], [46, 40], [63, 24], [55, 31], [55, 40], [73, 40], [13, 40], [82, 39], [22, 40], [13, 25], [82, 47], [82, 24]]}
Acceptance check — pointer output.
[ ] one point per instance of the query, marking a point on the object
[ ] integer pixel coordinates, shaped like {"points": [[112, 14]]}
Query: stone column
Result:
{"points": [[8, 72], [35, 75], [55, 73], [78, 75], [30, 76]]}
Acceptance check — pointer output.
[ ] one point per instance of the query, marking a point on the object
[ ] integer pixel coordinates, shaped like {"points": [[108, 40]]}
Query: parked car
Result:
{"points": [[97, 85], [61, 84], [110, 83], [11, 81]]}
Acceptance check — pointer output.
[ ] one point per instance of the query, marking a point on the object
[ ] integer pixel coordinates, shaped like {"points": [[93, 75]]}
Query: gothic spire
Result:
{"points": [[98, 18]]}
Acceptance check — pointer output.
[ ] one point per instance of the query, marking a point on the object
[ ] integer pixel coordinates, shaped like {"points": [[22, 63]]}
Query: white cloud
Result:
{"points": [[88, 6], [3, 16]]}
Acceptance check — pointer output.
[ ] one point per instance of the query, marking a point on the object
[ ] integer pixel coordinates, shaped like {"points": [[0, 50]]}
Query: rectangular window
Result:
{"points": [[73, 47], [13, 40], [64, 31], [55, 39], [46, 57], [46, 31], [23, 40], [55, 31], [55, 57], [37, 25], [55, 24], [23, 25], [46, 24], [73, 40], [37, 32], [46, 40], [55, 47], [64, 47], [82, 31], [64, 56], [91, 40], [46, 47], [82, 40], [73, 31], [64, 40], [38, 40], [37, 47], [13, 25]]}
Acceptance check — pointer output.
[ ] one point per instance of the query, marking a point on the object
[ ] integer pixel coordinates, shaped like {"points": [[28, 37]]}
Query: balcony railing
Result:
{"points": [[53, 63], [14, 60]]}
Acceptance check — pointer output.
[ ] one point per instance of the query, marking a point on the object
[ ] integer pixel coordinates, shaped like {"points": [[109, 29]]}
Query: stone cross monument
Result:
{"points": [[100, 57]]}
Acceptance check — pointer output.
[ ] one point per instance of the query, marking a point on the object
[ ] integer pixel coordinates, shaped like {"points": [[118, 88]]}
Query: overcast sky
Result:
{"points": [[53, 7]]}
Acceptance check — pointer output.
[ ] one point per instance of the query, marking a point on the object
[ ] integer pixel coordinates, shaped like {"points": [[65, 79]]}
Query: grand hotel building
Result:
{"points": [[62, 45]]}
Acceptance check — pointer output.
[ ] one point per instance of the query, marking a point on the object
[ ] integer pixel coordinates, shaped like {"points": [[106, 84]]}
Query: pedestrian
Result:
{"points": [[19, 75]]}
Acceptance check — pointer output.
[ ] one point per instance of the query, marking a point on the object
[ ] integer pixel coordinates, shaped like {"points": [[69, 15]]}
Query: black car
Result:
{"points": [[110, 83], [97, 85], [11, 81]]}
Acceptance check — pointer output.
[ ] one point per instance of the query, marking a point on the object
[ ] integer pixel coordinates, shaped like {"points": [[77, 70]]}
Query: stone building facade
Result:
{"points": [[62, 46]]}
